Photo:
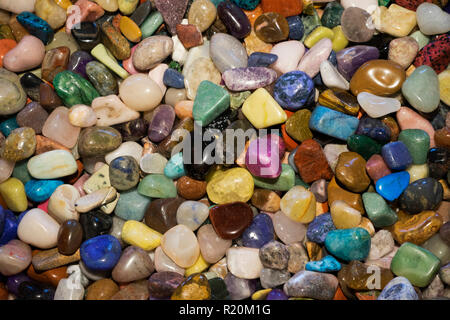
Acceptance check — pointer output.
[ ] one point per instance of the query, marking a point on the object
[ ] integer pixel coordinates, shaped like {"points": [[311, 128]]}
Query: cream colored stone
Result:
{"points": [[244, 262], [95, 199], [128, 148], [39, 229], [61, 205], [83, 116], [110, 110]]}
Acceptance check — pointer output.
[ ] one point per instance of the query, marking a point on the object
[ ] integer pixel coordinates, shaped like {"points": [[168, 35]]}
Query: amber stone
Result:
{"points": [[271, 27], [339, 100], [44, 144], [442, 138], [286, 8], [70, 236], [161, 214], [48, 98], [416, 228], [231, 219], [335, 192], [55, 61], [314, 250], [351, 171], [195, 287], [191, 189], [51, 277], [102, 289], [379, 77], [266, 200], [359, 276], [3, 292], [311, 162], [393, 126]]}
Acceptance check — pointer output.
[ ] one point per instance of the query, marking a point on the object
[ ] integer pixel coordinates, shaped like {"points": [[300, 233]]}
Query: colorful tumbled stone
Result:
{"points": [[348, 244], [392, 186], [333, 123], [211, 100], [327, 264], [74, 89], [423, 194], [101, 253], [157, 186]]}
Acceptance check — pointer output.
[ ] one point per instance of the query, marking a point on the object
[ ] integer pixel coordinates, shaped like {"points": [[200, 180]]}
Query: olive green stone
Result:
{"points": [[12, 96], [237, 99], [310, 22], [5, 32], [332, 15], [157, 186], [379, 213], [20, 144], [74, 89], [21, 171], [437, 246], [96, 141], [418, 142], [363, 145], [102, 79], [416, 264], [124, 173], [297, 125], [284, 182]]}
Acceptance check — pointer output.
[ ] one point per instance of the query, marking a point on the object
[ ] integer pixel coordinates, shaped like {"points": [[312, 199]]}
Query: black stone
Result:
{"points": [[421, 195], [29, 290], [30, 84], [374, 128], [218, 289], [141, 13], [87, 34], [438, 162], [95, 223]]}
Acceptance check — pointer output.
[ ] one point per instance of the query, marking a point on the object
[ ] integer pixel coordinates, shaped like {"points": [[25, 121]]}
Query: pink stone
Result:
{"points": [[409, 119], [157, 75], [28, 54], [86, 11], [289, 54], [128, 65], [15, 257], [287, 229], [263, 157], [80, 182], [212, 247], [44, 205], [376, 167], [58, 128], [310, 62]]}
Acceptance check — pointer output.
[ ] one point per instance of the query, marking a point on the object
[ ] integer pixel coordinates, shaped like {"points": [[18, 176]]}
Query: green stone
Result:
{"points": [[300, 182], [383, 3], [421, 89], [332, 15], [439, 248], [237, 99], [74, 89], [175, 65], [102, 79], [218, 289], [211, 101], [21, 171], [378, 211], [418, 142], [98, 140], [421, 39], [363, 145], [5, 32], [131, 205], [297, 125], [416, 264], [151, 24], [310, 22], [157, 186], [284, 182]]}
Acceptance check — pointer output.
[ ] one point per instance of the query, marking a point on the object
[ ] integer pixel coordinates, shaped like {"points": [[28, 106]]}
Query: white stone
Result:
{"points": [[195, 53], [110, 110], [38, 229], [192, 214], [376, 106], [368, 5], [128, 148], [289, 54], [244, 262], [179, 53], [153, 163], [432, 19], [288, 230], [164, 263], [331, 76], [71, 288], [180, 244], [95, 199]]}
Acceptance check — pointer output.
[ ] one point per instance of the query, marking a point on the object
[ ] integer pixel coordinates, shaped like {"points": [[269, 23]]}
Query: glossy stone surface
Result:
{"points": [[227, 52], [98, 140], [70, 236], [101, 253], [398, 288], [259, 232], [157, 186], [379, 213], [134, 264], [74, 89], [333, 123], [414, 89], [19, 145], [348, 244], [231, 185], [355, 26], [181, 245], [41, 190], [231, 220], [271, 27], [161, 214], [423, 194], [309, 284], [392, 186], [234, 19]]}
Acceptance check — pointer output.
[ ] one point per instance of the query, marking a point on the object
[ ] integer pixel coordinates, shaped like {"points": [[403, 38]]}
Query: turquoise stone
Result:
{"points": [[41, 190], [211, 101], [418, 143], [421, 89], [151, 24], [333, 123], [392, 186], [247, 4], [131, 205], [7, 126], [348, 244], [157, 186], [174, 168], [379, 213], [21, 171], [36, 26], [284, 182], [74, 89], [327, 264]]}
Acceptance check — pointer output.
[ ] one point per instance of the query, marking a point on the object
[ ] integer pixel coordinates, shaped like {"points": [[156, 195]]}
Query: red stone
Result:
{"points": [[411, 4], [286, 8], [231, 219], [311, 162], [376, 167], [189, 35], [436, 54]]}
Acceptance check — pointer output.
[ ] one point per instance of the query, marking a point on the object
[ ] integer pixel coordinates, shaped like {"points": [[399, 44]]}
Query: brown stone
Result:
{"points": [[17, 29], [55, 61], [33, 116], [134, 291], [50, 259], [48, 98], [191, 189], [102, 289], [70, 236], [358, 276], [286, 8], [351, 171], [189, 35], [416, 228], [161, 214], [442, 138], [311, 162], [335, 192], [266, 200], [44, 144], [230, 220], [51, 276]]}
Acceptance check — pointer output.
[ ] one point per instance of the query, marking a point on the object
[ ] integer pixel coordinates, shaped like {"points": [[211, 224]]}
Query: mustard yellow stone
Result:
{"points": [[339, 40], [261, 294], [13, 192], [299, 204], [104, 56], [231, 185], [63, 3], [396, 21], [199, 266], [195, 287], [344, 216], [318, 34], [417, 171], [444, 86], [130, 29], [262, 110], [138, 234]]}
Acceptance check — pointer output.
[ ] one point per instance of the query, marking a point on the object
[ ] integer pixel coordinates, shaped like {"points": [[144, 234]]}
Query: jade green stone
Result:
{"points": [[310, 22], [175, 65], [102, 79], [300, 182], [131, 205], [437, 246], [418, 143], [297, 125], [332, 15], [416, 264], [363, 145], [383, 3], [421, 39], [151, 24], [74, 89], [157, 186], [98, 140], [211, 101], [237, 99], [421, 89], [284, 182], [378, 211], [21, 171]]}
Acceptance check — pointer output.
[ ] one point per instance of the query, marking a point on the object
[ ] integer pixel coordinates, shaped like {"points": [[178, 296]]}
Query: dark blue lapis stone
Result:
{"points": [[374, 128], [261, 59], [2, 219], [259, 232], [36, 26], [101, 253], [396, 155], [10, 228], [293, 90], [173, 78], [318, 229], [296, 28]]}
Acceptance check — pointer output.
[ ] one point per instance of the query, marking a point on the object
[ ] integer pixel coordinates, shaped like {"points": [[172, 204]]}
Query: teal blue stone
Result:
{"points": [[217, 2], [333, 123], [21, 171], [41, 190], [348, 244], [284, 182], [327, 264], [157, 186], [131, 205], [7, 126], [174, 168], [392, 186], [210, 102], [247, 4], [36, 26]]}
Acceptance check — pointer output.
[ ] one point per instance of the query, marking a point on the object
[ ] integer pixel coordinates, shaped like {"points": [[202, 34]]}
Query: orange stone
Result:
{"points": [[44, 144], [286, 8], [416, 228], [183, 109], [51, 277], [339, 295], [191, 189], [130, 29], [5, 46], [189, 35], [252, 15]]}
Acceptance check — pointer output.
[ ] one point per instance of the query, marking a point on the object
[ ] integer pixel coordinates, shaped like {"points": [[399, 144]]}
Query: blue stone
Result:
{"points": [[7, 126], [333, 123], [277, 294], [10, 228], [2, 219], [259, 232], [41, 190], [348, 244], [398, 288], [318, 229], [173, 78], [174, 168], [296, 28], [19, 218], [131, 205], [36, 26], [392, 186], [293, 90], [396, 155], [101, 253], [261, 59], [247, 4], [327, 264], [374, 128]]}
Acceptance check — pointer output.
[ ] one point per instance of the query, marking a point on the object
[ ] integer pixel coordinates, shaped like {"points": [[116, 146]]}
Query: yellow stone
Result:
{"points": [[195, 287], [231, 185], [318, 34], [130, 29], [339, 40], [299, 204], [417, 171], [63, 3], [368, 225], [396, 21], [446, 188], [127, 7], [108, 5], [104, 56], [213, 172], [262, 110], [261, 294], [199, 266], [138, 234], [255, 44], [444, 86], [344, 216], [13, 192]]}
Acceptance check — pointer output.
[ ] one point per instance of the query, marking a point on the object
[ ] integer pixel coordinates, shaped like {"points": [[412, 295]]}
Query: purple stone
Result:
{"points": [[14, 282], [277, 294], [263, 157], [161, 123], [259, 232], [172, 12], [78, 61], [238, 288], [241, 79], [350, 59], [396, 155], [234, 19]]}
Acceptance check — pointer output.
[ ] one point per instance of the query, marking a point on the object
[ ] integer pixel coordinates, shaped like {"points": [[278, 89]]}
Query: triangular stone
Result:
{"points": [[172, 12]]}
